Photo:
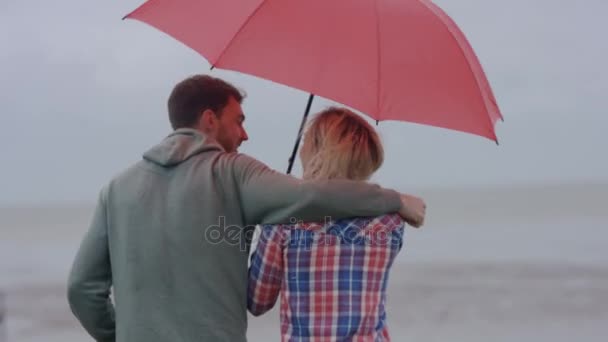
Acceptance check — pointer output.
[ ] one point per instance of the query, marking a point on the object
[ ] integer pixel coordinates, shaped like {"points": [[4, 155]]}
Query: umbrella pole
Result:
{"points": [[295, 148]]}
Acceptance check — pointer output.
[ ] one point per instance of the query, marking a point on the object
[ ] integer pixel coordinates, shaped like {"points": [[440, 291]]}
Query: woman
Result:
{"points": [[332, 276]]}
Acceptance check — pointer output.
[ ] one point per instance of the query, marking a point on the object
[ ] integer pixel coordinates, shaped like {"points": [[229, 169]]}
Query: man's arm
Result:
{"points": [[266, 271], [271, 197], [91, 278]]}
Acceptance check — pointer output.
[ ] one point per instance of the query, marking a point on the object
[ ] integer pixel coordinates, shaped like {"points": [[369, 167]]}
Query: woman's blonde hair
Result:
{"points": [[340, 144]]}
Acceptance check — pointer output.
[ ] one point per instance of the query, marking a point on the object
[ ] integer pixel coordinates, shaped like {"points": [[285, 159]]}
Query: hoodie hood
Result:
{"points": [[179, 146]]}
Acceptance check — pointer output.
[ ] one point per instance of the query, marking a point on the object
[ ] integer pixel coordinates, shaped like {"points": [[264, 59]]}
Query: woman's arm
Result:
{"points": [[266, 270]]}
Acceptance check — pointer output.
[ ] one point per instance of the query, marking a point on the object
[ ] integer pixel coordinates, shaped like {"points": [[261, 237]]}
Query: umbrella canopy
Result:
{"points": [[400, 60]]}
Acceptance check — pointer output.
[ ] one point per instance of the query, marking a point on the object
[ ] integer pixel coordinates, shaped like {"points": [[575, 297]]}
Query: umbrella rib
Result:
{"points": [[440, 14], [378, 61], [237, 33], [145, 4]]}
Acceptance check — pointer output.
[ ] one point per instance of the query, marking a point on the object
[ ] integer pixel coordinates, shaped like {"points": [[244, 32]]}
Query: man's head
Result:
{"points": [[210, 105]]}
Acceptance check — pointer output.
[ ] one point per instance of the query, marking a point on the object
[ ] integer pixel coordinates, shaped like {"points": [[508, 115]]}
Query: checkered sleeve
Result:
{"points": [[266, 270]]}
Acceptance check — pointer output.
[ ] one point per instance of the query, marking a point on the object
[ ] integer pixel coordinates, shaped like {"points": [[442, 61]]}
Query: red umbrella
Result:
{"points": [[400, 60]]}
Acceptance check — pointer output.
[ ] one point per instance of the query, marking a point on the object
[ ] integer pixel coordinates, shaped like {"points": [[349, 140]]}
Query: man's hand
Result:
{"points": [[413, 210]]}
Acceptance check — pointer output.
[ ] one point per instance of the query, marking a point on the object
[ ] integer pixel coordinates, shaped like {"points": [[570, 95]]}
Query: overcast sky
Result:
{"points": [[83, 94]]}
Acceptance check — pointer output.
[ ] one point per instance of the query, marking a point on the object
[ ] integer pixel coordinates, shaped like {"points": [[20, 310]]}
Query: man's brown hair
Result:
{"points": [[196, 94]]}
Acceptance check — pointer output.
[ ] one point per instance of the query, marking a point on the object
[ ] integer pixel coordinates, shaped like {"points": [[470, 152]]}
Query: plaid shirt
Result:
{"points": [[332, 277]]}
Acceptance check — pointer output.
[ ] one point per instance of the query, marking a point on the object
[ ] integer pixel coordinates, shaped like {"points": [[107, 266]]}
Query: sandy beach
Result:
{"points": [[474, 273]]}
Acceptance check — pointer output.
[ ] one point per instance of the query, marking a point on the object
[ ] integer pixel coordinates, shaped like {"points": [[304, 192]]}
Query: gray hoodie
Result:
{"points": [[171, 236]]}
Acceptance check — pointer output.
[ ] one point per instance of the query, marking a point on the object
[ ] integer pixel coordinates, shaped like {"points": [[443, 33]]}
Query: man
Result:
{"points": [[163, 233]]}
